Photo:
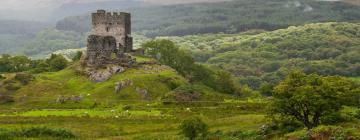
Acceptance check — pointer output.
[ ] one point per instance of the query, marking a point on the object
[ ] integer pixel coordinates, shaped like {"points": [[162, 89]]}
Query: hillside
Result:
{"points": [[46, 89], [14, 34], [323, 48], [227, 17], [355, 2], [188, 19]]}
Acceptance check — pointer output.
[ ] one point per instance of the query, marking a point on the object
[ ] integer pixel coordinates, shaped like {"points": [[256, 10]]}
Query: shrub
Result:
{"points": [[329, 132], [357, 114], [286, 125], [24, 78], [194, 127], [12, 87], [332, 118], [5, 134], [185, 93], [35, 132], [45, 131], [5, 99], [57, 62], [77, 56]]}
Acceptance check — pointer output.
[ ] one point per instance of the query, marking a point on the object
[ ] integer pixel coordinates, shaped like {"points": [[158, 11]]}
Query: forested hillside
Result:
{"points": [[227, 17], [178, 20], [325, 48], [14, 34]]}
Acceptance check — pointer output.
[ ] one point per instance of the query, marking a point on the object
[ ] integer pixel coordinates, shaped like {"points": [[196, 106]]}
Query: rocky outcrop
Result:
{"points": [[122, 84], [101, 75]]}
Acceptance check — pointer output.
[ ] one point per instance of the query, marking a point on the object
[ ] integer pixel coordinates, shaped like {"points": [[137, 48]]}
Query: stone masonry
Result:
{"points": [[110, 39]]}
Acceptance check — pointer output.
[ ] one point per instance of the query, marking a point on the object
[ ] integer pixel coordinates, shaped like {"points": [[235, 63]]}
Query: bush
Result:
{"points": [[44, 131], [357, 114], [24, 78], [286, 125], [35, 132], [57, 62], [333, 132], [1, 77], [5, 99], [77, 56], [12, 87], [194, 127], [235, 135], [5, 134], [332, 118], [186, 93]]}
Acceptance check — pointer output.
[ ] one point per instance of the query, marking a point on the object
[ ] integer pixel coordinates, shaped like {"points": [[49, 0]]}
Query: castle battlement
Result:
{"points": [[103, 17]]}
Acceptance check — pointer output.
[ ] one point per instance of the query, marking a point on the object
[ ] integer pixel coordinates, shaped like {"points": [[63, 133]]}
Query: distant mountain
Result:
{"points": [[228, 17], [21, 27]]}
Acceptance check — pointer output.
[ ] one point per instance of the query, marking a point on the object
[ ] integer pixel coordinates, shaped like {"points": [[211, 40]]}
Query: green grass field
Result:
{"points": [[104, 114]]}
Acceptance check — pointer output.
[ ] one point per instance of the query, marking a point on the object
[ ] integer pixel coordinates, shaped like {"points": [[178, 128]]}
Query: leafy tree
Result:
{"points": [[57, 62], [266, 89], [194, 127], [225, 83], [307, 98], [167, 53], [77, 56]]}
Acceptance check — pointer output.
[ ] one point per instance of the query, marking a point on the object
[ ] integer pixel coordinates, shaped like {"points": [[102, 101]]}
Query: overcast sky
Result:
{"points": [[33, 4]]}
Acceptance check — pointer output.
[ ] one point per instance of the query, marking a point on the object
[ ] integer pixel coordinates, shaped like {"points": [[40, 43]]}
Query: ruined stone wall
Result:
{"points": [[101, 50], [114, 24]]}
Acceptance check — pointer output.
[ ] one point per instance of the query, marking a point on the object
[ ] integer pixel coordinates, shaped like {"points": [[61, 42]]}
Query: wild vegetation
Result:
{"points": [[174, 97], [296, 83], [226, 17], [262, 58]]}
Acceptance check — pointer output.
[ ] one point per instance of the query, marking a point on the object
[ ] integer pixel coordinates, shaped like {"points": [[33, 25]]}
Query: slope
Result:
{"points": [[70, 89], [323, 48], [229, 17]]}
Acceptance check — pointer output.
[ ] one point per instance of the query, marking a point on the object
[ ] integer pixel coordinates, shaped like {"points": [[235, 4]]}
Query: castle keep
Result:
{"points": [[110, 38]]}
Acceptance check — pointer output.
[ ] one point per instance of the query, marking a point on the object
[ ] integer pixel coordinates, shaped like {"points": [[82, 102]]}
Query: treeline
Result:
{"points": [[167, 53], [266, 58], [10, 64], [226, 17]]}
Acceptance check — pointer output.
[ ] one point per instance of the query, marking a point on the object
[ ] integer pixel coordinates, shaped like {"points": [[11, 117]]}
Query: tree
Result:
{"points": [[308, 98], [167, 53], [77, 56], [57, 62], [194, 127]]}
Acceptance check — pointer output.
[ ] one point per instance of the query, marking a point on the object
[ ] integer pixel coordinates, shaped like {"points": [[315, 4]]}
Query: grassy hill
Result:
{"points": [[103, 113], [46, 89], [323, 48]]}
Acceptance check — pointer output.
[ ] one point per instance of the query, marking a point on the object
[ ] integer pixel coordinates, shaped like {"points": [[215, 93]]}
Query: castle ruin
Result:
{"points": [[110, 39]]}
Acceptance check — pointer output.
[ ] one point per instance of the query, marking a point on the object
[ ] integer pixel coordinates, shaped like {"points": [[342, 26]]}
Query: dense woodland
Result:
{"points": [[325, 49]]}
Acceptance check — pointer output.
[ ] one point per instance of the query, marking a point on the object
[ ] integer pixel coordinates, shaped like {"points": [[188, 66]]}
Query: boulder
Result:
{"points": [[105, 74], [122, 84]]}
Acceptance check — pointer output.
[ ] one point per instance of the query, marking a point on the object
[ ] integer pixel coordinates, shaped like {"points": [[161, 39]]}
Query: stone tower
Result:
{"points": [[110, 39], [117, 25]]}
